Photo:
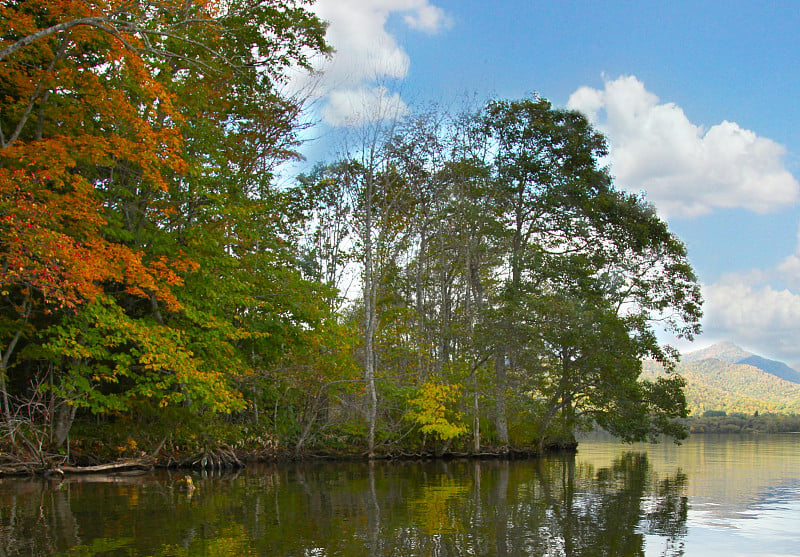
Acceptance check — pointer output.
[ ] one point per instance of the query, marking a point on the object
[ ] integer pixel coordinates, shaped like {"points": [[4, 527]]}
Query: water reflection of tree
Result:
{"points": [[548, 507], [600, 512], [36, 519], [545, 507], [667, 511], [553, 507], [107, 515]]}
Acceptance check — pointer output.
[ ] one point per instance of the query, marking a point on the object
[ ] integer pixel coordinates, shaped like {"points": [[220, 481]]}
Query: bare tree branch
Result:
{"points": [[94, 21]]}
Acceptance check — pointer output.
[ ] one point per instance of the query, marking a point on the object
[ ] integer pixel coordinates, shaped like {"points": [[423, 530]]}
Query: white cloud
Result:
{"points": [[354, 107], [788, 270], [751, 310], [741, 308], [367, 56], [755, 315], [427, 18], [685, 169]]}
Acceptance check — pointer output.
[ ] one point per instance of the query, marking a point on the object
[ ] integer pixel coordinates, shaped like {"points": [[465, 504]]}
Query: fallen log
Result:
{"points": [[21, 469], [123, 466]]}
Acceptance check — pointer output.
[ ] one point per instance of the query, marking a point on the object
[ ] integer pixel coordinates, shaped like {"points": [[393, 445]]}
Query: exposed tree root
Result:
{"points": [[221, 458]]}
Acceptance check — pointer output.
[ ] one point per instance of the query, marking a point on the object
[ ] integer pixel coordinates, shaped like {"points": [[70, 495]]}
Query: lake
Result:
{"points": [[713, 495]]}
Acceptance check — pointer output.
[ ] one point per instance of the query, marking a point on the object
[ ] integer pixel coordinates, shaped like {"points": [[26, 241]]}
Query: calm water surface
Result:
{"points": [[711, 496]]}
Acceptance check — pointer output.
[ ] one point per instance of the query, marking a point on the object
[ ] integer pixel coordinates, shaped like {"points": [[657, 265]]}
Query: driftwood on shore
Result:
{"points": [[140, 464], [224, 457], [219, 458], [46, 466], [35, 468]]}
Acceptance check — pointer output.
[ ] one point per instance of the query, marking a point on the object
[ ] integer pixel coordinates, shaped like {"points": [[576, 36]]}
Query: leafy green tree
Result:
{"points": [[546, 176], [522, 273], [452, 250], [590, 269]]}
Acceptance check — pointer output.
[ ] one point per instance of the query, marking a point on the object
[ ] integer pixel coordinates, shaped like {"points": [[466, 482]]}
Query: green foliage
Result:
{"points": [[146, 253], [110, 360], [151, 264]]}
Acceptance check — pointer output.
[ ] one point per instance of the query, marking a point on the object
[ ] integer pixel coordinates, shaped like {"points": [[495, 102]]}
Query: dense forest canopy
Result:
{"points": [[153, 273]]}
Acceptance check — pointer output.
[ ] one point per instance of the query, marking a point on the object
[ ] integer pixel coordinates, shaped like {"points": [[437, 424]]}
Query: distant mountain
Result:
{"points": [[728, 352], [778, 369], [724, 351], [714, 384], [725, 377]]}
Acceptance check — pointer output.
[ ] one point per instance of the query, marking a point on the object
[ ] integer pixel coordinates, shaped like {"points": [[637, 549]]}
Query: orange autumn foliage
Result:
{"points": [[129, 131], [83, 108], [50, 245], [79, 105]]}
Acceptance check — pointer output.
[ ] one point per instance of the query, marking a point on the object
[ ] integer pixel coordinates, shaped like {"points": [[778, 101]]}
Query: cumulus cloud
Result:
{"points": [[740, 308], [754, 314], [759, 309], [425, 17], [788, 271], [686, 169], [355, 107], [367, 57]]}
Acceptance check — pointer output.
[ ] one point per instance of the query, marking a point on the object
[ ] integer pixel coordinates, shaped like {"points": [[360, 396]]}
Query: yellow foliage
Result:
{"points": [[436, 511], [431, 410]]}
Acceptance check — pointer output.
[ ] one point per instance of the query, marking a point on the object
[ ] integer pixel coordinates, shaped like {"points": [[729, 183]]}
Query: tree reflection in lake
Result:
{"points": [[552, 507], [549, 506]]}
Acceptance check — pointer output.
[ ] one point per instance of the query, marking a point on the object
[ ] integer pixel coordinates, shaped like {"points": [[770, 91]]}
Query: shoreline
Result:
{"points": [[191, 462], [224, 458]]}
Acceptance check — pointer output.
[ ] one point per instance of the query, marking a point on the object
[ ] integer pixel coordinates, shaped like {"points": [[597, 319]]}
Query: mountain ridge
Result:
{"points": [[726, 377], [729, 352]]}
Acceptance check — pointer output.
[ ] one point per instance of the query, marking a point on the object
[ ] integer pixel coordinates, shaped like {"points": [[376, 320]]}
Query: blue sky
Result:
{"points": [[700, 102]]}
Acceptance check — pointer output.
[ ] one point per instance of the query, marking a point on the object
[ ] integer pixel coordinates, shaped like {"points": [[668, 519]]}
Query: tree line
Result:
{"points": [[719, 421], [449, 281]]}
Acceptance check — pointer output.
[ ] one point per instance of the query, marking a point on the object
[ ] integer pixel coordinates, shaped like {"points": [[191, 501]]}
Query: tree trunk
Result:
{"points": [[445, 303], [3, 372], [474, 294], [65, 415], [422, 327], [501, 419], [4, 391], [370, 321], [476, 420]]}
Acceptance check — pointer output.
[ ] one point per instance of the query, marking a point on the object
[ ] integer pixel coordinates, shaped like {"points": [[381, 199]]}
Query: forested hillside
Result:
{"points": [[158, 288], [717, 385], [728, 352]]}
